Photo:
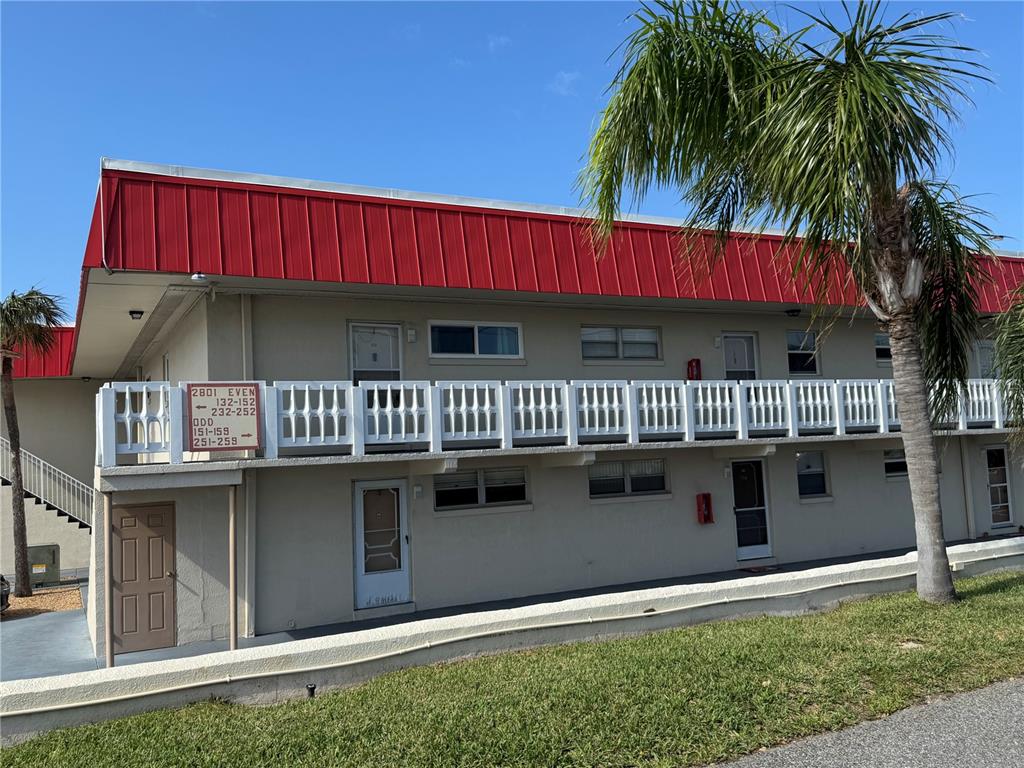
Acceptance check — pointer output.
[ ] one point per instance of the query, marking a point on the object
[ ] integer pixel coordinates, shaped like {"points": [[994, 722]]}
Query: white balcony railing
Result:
{"points": [[143, 418]]}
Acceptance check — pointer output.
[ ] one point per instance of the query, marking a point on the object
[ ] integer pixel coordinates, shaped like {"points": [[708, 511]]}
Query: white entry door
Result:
{"points": [[751, 509], [740, 350], [381, 544]]}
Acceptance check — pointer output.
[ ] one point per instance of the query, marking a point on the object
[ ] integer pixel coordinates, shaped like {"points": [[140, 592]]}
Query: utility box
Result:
{"points": [[44, 564]]}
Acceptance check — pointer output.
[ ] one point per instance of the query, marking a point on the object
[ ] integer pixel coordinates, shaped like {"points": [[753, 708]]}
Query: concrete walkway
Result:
{"points": [[46, 644], [980, 729]]}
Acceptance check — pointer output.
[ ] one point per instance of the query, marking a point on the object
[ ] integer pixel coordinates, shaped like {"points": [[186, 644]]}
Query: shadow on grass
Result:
{"points": [[991, 586]]}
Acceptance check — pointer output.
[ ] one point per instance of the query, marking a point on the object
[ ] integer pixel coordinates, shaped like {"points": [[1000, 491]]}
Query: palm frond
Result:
{"points": [[951, 241], [27, 320]]}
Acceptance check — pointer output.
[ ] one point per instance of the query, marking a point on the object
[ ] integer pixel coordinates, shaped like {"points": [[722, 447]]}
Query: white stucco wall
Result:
{"points": [[564, 540], [57, 418], [44, 526], [186, 347], [307, 338], [201, 562]]}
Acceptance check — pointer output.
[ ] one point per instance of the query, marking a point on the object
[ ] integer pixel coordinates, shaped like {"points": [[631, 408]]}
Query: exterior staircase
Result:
{"points": [[51, 487]]}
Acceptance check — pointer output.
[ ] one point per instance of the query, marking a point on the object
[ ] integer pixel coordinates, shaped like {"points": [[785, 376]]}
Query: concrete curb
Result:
{"points": [[276, 672]]}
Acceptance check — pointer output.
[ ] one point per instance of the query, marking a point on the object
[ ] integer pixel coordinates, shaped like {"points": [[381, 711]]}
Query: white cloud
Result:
{"points": [[458, 63], [563, 83], [497, 42]]}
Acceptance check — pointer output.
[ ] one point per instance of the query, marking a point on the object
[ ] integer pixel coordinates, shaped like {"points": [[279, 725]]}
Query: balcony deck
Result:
{"points": [[314, 422]]}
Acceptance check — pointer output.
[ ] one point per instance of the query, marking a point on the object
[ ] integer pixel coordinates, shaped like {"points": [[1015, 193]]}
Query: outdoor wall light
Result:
{"points": [[135, 314], [198, 277], [792, 313]]}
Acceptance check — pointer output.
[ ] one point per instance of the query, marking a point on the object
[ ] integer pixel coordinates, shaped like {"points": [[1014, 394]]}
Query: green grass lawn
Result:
{"points": [[681, 697]]}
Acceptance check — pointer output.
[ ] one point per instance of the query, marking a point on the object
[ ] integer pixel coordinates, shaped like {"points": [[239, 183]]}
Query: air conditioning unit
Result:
{"points": [[44, 564]]}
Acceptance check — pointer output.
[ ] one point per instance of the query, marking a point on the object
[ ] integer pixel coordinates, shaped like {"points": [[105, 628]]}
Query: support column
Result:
{"points": [[108, 582], [232, 567]]}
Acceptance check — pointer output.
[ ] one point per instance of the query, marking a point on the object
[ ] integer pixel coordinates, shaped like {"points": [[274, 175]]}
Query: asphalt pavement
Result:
{"points": [[980, 729]]}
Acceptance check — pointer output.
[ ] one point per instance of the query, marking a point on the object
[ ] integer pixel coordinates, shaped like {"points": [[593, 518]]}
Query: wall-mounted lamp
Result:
{"points": [[198, 277], [135, 314], [792, 313]]}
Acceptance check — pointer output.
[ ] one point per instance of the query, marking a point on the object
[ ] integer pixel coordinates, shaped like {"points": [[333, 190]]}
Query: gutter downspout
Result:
{"points": [[103, 222]]}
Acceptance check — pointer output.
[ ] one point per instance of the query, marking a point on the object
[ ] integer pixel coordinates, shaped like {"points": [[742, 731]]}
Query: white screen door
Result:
{"points": [[751, 508], [376, 353], [740, 356], [985, 351], [381, 544], [999, 486]]}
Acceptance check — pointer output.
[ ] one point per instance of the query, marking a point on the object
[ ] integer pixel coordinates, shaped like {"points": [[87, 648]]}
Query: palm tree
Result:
{"points": [[27, 321], [1010, 362], [834, 133]]}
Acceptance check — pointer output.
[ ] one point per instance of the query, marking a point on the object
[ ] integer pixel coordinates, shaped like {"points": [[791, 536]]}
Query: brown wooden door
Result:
{"points": [[143, 565]]}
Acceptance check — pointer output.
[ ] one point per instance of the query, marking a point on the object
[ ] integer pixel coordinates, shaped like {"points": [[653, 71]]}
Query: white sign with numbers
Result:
{"points": [[224, 416]]}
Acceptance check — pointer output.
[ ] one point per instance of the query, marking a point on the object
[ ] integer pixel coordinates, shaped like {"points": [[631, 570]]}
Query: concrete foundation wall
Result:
{"points": [[278, 672]]}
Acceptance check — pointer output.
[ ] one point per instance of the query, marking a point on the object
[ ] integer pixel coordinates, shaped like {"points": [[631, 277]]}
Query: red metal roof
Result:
{"points": [[179, 224], [55, 362], [226, 224]]}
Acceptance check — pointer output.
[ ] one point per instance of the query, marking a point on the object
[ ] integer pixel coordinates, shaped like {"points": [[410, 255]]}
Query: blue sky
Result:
{"points": [[482, 99]]}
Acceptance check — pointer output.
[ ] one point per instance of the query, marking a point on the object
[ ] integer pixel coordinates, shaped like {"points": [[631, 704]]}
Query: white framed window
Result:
{"points": [[802, 353], [454, 338], [480, 488], [811, 474], [627, 478], [620, 343], [883, 349], [895, 462], [998, 485]]}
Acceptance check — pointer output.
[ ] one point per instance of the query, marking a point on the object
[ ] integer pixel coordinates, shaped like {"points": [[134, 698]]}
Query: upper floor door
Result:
{"points": [[740, 351], [376, 352], [985, 352]]}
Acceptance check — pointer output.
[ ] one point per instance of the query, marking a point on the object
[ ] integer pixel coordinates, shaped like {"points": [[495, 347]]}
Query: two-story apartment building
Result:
{"points": [[457, 402]]}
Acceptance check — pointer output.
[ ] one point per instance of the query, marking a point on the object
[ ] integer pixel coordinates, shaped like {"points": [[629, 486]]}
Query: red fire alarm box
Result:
{"points": [[693, 369], [705, 515]]}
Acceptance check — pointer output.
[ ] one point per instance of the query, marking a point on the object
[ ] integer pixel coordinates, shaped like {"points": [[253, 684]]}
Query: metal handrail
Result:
{"points": [[49, 484]]}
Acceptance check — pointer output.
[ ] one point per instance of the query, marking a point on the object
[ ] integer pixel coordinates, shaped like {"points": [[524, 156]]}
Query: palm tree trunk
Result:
{"points": [[22, 578], [934, 580]]}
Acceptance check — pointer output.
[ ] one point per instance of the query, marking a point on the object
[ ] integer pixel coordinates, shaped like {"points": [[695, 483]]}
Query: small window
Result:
{"points": [[620, 343], [883, 350], [627, 478], [480, 488], [895, 463], [811, 477], [802, 351], [475, 340]]}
